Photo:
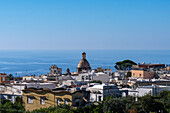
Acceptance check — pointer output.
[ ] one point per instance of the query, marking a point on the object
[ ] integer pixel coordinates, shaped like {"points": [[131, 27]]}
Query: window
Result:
{"points": [[3, 78], [100, 98], [55, 71], [140, 75], [42, 100], [92, 99], [87, 77], [83, 77], [30, 99], [77, 102], [66, 101], [133, 74], [58, 101]]}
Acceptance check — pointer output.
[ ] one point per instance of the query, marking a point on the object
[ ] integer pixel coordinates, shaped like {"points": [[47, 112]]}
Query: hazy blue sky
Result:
{"points": [[85, 24]]}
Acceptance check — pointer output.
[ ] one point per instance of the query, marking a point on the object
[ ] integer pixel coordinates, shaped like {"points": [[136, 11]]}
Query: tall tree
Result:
{"points": [[124, 65]]}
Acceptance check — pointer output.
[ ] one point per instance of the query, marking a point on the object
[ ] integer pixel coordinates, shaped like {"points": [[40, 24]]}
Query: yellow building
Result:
{"points": [[36, 98], [167, 68], [143, 74]]}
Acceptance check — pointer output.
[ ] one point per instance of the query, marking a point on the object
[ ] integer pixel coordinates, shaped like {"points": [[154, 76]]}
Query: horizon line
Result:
{"points": [[83, 49]]}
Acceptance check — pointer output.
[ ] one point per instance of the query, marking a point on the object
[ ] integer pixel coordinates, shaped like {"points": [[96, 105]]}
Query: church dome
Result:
{"points": [[83, 64]]}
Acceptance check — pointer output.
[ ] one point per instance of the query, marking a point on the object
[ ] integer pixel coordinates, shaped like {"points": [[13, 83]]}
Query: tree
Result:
{"points": [[10, 77], [117, 105], [8, 107], [129, 74], [165, 98], [55, 109], [18, 100], [124, 65], [149, 104]]}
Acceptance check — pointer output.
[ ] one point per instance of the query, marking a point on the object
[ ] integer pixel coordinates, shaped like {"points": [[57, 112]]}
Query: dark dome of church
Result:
{"points": [[83, 64]]}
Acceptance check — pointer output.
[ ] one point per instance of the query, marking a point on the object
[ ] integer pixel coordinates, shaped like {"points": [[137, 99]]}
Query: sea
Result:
{"points": [[36, 62]]}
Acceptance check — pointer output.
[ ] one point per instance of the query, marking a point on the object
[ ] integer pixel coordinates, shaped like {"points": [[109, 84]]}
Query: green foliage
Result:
{"points": [[18, 100], [129, 74], [144, 104], [90, 109], [7, 106], [124, 65], [149, 104], [57, 109], [165, 99], [10, 77], [117, 105]]}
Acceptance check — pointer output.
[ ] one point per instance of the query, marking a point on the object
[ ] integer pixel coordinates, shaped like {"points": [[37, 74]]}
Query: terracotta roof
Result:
{"points": [[3, 74]]}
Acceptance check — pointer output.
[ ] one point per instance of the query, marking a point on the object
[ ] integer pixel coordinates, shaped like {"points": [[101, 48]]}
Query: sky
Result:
{"points": [[85, 24]]}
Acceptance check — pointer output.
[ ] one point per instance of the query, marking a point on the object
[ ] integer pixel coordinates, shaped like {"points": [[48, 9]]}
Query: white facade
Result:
{"points": [[10, 92], [144, 90], [10, 97], [40, 85], [101, 76], [98, 92], [104, 77], [68, 82], [153, 90], [129, 91], [108, 71], [83, 77], [31, 78]]}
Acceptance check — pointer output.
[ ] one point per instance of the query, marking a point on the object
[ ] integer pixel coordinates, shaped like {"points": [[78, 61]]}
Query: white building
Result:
{"points": [[40, 85], [152, 90], [98, 92], [128, 91], [104, 77], [144, 90], [64, 78], [91, 76], [69, 82], [11, 91]]}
